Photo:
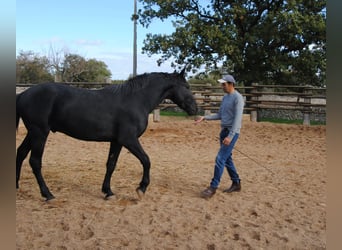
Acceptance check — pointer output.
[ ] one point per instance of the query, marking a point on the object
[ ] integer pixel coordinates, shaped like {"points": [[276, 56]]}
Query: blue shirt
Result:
{"points": [[230, 113]]}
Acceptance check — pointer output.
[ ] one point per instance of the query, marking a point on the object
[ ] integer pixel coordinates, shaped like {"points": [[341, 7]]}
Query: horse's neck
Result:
{"points": [[153, 95], [150, 94]]}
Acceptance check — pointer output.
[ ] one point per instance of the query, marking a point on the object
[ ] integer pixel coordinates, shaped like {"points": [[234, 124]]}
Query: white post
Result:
{"points": [[156, 115], [254, 116], [254, 113], [307, 102]]}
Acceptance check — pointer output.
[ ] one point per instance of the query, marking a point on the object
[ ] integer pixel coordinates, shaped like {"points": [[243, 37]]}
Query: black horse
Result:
{"points": [[117, 114]]}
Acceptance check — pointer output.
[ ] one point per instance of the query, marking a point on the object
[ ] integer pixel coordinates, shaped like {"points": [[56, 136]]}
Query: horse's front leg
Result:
{"points": [[114, 152], [136, 149]]}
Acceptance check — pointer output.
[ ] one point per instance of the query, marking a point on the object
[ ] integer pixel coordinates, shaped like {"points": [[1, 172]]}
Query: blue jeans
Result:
{"points": [[224, 159]]}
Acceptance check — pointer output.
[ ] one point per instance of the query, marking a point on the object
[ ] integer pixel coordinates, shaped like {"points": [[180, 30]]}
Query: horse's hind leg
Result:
{"points": [[22, 152], [38, 139], [114, 152], [136, 149]]}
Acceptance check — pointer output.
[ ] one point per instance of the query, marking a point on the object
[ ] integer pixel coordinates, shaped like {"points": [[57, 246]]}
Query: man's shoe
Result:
{"points": [[235, 187], [208, 193]]}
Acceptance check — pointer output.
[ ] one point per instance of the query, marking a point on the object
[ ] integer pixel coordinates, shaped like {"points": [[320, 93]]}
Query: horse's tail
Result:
{"points": [[17, 113]]}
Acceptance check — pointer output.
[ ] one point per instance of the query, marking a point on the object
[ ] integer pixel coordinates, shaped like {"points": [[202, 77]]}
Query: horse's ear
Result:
{"points": [[182, 73]]}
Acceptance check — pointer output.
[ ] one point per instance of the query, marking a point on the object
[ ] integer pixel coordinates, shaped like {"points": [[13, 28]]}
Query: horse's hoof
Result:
{"points": [[140, 193], [108, 196], [50, 198]]}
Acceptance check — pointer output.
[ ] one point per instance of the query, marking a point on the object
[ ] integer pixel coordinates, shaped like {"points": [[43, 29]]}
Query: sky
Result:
{"points": [[101, 29]]}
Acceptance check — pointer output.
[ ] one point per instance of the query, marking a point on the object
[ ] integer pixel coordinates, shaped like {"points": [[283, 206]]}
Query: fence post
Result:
{"points": [[254, 113], [156, 115], [206, 101], [207, 112], [307, 102], [58, 77]]}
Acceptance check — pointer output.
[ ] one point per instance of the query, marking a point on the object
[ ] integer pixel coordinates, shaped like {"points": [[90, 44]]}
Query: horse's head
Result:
{"points": [[181, 94]]}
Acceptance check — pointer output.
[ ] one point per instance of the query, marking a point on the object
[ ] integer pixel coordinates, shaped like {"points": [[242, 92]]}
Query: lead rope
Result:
{"points": [[255, 161]]}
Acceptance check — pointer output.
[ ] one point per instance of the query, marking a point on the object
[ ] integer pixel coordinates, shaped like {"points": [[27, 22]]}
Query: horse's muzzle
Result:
{"points": [[192, 110]]}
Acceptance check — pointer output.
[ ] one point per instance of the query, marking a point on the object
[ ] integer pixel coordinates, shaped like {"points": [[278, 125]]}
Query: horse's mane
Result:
{"points": [[136, 83]]}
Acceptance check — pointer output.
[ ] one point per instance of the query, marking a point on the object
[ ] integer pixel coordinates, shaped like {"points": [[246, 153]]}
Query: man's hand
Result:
{"points": [[226, 141], [199, 119]]}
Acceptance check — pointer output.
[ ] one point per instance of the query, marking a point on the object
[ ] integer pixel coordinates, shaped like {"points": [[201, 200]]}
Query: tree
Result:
{"points": [[56, 57], [59, 66], [73, 67], [31, 68], [96, 71], [78, 69], [266, 41]]}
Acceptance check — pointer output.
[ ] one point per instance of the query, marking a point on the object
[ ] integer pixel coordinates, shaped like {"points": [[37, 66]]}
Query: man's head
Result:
{"points": [[228, 83], [227, 78]]}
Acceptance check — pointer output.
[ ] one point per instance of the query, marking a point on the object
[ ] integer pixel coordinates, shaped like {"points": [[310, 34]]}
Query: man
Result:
{"points": [[230, 114]]}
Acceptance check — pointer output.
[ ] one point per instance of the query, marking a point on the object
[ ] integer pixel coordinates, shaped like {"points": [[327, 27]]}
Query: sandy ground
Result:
{"points": [[282, 204]]}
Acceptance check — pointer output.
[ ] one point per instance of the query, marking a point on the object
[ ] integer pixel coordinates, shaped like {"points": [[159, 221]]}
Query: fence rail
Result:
{"points": [[306, 99]]}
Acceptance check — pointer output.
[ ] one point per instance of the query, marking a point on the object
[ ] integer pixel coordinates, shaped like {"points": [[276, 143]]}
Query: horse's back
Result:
{"points": [[36, 101], [36, 104], [80, 113], [40, 93]]}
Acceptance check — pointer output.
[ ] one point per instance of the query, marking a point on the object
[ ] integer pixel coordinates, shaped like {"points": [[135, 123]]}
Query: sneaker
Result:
{"points": [[208, 193]]}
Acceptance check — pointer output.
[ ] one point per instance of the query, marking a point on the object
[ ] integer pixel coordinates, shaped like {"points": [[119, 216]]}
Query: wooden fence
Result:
{"points": [[306, 99]]}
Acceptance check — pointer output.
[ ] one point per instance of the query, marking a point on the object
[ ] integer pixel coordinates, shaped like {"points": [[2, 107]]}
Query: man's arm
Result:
{"points": [[237, 117], [208, 117]]}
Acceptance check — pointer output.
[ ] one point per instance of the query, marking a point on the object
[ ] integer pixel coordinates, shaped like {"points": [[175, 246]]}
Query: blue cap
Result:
{"points": [[227, 78]]}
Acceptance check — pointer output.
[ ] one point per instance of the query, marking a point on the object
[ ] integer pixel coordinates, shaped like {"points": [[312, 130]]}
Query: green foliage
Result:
{"points": [[73, 67], [32, 68], [117, 81], [173, 113], [265, 41], [194, 81], [78, 69], [95, 71], [205, 78]]}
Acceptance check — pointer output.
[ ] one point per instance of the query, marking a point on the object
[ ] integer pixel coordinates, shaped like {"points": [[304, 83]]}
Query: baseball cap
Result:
{"points": [[227, 78]]}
